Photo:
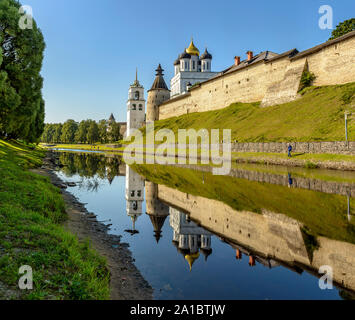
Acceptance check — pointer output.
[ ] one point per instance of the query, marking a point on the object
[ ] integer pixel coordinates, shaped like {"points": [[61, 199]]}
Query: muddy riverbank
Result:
{"points": [[126, 281]]}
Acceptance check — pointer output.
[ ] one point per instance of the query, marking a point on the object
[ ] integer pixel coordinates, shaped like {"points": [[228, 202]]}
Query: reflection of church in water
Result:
{"points": [[134, 197], [189, 239]]}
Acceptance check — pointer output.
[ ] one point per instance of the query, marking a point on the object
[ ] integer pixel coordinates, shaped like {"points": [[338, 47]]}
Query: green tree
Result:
{"points": [[57, 135], [343, 28], [46, 134], [93, 132], [69, 130], [21, 56], [103, 131], [114, 132], [81, 135]]}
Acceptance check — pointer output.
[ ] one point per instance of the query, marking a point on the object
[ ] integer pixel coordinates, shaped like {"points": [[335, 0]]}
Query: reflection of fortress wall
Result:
{"points": [[340, 256], [332, 187], [263, 233], [268, 234]]}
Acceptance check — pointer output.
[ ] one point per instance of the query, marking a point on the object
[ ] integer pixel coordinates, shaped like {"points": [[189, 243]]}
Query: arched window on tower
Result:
{"points": [[140, 107], [136, 95], [134, 107]]}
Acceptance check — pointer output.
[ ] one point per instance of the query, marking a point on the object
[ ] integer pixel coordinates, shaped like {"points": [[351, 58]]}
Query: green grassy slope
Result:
{"points": [[31, 210], [317, 116]]}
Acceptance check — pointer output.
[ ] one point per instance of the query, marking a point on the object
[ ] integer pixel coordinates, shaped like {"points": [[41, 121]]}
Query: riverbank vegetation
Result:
{"points": [[31, 213]]}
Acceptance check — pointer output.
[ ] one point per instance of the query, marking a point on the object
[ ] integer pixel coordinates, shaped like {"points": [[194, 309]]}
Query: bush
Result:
{"points": [[307, 79]]}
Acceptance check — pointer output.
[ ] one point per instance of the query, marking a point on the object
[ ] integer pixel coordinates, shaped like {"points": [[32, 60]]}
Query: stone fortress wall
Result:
{"points": [[273, 81], [335, 147]]}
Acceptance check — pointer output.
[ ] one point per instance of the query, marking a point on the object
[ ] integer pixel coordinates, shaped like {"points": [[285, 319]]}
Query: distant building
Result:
{"points": [[111, 119], [110, 122], [191, 68]]}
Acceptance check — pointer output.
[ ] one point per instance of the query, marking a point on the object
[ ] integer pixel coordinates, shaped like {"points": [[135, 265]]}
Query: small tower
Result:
{"points": [[111, 119], [135, 107], [110, 122], [158, 93], [134, 196]]}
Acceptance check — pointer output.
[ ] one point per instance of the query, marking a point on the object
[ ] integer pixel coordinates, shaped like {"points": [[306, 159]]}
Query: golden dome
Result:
{"points": [[191, 258], [192, 50]]}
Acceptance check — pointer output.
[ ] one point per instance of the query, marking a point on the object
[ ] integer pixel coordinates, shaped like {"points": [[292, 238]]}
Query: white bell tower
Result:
{"points": [[135, 107]]}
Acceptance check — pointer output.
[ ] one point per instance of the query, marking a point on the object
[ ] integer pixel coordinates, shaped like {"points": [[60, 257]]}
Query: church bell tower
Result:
{"points": [[135, 107]]}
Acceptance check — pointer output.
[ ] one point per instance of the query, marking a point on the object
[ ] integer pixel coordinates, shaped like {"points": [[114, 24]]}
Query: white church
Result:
{"points": [[191, 68]]}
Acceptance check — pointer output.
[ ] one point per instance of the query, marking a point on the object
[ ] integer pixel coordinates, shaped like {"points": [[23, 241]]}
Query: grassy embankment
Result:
{"points": [[323, 214], [31, 213], [318, 115]]}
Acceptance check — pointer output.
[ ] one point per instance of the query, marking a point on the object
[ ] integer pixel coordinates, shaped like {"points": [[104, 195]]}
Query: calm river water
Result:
{"points": [[260, 233]]}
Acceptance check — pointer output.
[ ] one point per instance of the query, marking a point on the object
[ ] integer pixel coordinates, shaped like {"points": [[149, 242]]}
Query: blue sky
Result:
{"points": [[94, 46]]}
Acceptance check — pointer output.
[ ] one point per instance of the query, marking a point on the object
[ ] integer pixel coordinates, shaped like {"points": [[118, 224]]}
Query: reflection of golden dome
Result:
{"points": [[190, 258], [192, 50]]}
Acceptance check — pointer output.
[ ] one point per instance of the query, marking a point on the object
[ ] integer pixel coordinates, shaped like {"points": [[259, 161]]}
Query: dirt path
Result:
{"points": [[126, 281]]}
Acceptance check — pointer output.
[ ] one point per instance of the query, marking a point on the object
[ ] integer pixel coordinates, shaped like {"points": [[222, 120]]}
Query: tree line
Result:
{"points": [[87, 131], [21, 55]]}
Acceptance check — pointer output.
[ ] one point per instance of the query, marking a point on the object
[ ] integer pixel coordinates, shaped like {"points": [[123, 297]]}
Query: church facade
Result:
{"points": [[190, 68]]}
